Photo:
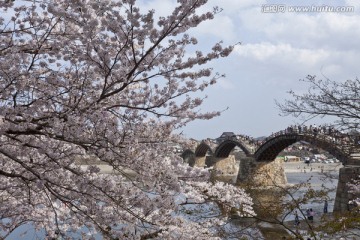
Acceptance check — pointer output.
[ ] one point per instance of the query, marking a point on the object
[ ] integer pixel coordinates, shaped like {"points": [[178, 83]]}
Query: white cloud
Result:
{"points": [[282, 53], [278, 49], [332, 69], [332, 30]]}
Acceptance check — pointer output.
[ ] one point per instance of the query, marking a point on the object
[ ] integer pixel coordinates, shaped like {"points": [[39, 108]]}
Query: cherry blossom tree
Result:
{"points": [[340, 100], [89, 79]]}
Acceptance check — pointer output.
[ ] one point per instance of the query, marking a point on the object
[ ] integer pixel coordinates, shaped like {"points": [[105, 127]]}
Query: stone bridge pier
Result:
{"points": [[200, 162], [254, 166], [224, 168], [344, 195], [261, 174], [246, 170]]}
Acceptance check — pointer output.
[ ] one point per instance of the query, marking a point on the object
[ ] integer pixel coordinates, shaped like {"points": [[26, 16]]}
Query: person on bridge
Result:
{"points": [[299, 128]]}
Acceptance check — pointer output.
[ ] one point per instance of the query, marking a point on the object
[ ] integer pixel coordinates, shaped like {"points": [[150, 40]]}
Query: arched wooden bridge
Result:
{"points": [[345, 148], [341, 146]]}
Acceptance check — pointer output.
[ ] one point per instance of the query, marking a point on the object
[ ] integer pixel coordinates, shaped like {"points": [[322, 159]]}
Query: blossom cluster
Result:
{"points": [[102, 80]]}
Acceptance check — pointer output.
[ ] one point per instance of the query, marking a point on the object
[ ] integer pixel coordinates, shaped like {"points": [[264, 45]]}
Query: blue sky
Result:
{"points": [[278, 49]]}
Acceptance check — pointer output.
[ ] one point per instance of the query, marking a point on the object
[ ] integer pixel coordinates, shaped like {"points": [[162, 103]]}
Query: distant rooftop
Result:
{"points": [[227, 134]]}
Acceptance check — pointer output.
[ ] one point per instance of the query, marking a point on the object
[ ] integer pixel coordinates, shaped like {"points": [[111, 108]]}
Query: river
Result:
{"points": [[319, 175], [294, 173]]}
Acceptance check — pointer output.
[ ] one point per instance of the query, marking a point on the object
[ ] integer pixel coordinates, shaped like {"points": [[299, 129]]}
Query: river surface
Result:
{"points": [[294, 173], [319, 175]]}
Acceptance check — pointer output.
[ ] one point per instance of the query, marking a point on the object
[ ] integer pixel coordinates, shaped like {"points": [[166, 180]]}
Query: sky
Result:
{"points": [[277, 50]]}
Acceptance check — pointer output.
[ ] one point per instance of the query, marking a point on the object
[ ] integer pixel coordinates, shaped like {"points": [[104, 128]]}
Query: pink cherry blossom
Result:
{"points": [[102, 81]]}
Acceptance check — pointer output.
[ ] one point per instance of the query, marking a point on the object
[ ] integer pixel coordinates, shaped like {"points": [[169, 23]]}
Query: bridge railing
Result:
{"points": [[343, 141]]}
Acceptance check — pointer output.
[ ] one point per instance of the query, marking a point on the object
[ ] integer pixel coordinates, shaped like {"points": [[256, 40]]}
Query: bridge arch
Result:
{"points": [[224, 149], [269, 150], [202, 149]]}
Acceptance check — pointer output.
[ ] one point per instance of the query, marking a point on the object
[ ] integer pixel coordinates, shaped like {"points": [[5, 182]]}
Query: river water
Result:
{"points": [[319, 175], [295, 174]]}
